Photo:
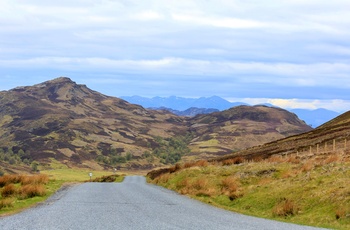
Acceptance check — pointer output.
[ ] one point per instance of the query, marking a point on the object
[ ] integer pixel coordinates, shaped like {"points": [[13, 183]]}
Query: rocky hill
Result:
{"points": [[331, 138], [242, 127], [60, 120]]}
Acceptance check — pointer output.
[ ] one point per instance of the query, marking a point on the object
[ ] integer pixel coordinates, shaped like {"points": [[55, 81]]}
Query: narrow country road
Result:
{"points": [[133, 204]]}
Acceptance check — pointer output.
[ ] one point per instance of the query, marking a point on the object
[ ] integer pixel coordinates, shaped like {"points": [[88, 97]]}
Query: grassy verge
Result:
{"points": [[311, 192], [18, 192], [13, 188]]}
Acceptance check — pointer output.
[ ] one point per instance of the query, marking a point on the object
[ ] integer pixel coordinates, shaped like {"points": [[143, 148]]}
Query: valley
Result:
{"points": [[257, 160]]}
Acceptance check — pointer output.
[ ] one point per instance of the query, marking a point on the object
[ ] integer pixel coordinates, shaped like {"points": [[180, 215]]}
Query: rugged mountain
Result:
{"points": [[242, 127], [191, 112], [181, 103], [60, 120], [329, 138]]}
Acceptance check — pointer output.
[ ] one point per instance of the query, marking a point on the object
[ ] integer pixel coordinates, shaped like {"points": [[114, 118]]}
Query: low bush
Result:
{"points": [[285, 207], [236, 160], [36, 179], [6, 203], [9, 179], [31, 190], [8, 190]]}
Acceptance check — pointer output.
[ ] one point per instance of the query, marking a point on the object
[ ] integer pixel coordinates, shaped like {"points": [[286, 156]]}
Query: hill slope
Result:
{"points": [[242, 127], [327, 138], [60, 120]]}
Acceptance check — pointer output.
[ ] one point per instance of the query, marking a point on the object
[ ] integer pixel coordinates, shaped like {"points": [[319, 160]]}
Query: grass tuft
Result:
{"points": [[6, 203], [31, 190], [285, 207], [8, 190]]}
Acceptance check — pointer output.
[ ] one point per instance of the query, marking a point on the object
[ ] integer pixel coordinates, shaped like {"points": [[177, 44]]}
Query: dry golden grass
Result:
{"points": [[31, 190], [308, 166], [236, 160], [8, 190], [6, 203], [9, 179], [285, 207], [275, 159], [35, 179], [230, 183], [293, 160], [201, 163], [333, 159], [342, 212]]}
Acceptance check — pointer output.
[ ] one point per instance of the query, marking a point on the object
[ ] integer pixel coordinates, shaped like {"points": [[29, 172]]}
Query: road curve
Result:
{"points": [[133, 204]]}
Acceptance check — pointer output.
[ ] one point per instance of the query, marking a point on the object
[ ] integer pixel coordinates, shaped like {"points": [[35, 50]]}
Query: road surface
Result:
{"points": [[133, 204]]}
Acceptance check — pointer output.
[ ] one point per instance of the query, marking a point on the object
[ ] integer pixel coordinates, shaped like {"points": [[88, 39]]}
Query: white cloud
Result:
{"points": [[337, 105], [284, 74], [239, 44], [226, 22]]}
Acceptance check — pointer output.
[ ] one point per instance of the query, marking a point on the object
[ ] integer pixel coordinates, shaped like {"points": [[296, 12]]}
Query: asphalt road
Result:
{"points": [[133, 204]]}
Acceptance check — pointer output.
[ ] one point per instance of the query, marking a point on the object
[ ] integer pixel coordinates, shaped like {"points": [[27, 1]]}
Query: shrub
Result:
{"points": [[230, 184], [293, 160], [342, 212], [6, 203], [236, 160], [308, 166], [230, 187], [9, 179], [332, 159], [8, 190], [200, 183], [36, 179], [29, 191], [285, 207], [275, 159], [175, 168], [201, 163]]}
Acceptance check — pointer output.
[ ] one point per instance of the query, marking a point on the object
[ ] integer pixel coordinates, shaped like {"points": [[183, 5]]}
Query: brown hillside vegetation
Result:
{"points": [[302, 179], [332, 137], [60, 120], [240, 128]]}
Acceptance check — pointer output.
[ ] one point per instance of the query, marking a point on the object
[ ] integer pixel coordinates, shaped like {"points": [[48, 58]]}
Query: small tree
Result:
{"points": [[34, 166]]}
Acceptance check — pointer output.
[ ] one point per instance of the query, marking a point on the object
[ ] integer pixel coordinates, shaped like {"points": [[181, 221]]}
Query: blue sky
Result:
{"points": [[294, 54]]}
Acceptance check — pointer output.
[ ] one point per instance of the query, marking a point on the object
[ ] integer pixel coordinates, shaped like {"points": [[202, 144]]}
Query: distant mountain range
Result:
{"points": [[193, 106], [181, 103]]}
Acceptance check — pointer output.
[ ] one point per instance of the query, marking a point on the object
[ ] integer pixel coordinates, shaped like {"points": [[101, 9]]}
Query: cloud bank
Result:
{"points": [[231, 48]]}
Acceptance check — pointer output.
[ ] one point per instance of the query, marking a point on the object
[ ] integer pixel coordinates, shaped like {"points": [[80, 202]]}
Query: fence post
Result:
{"points": [[333, 144]]}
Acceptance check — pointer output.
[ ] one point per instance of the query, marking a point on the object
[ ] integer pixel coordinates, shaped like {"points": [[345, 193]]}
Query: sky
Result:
{"points": [[290, 53]]}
